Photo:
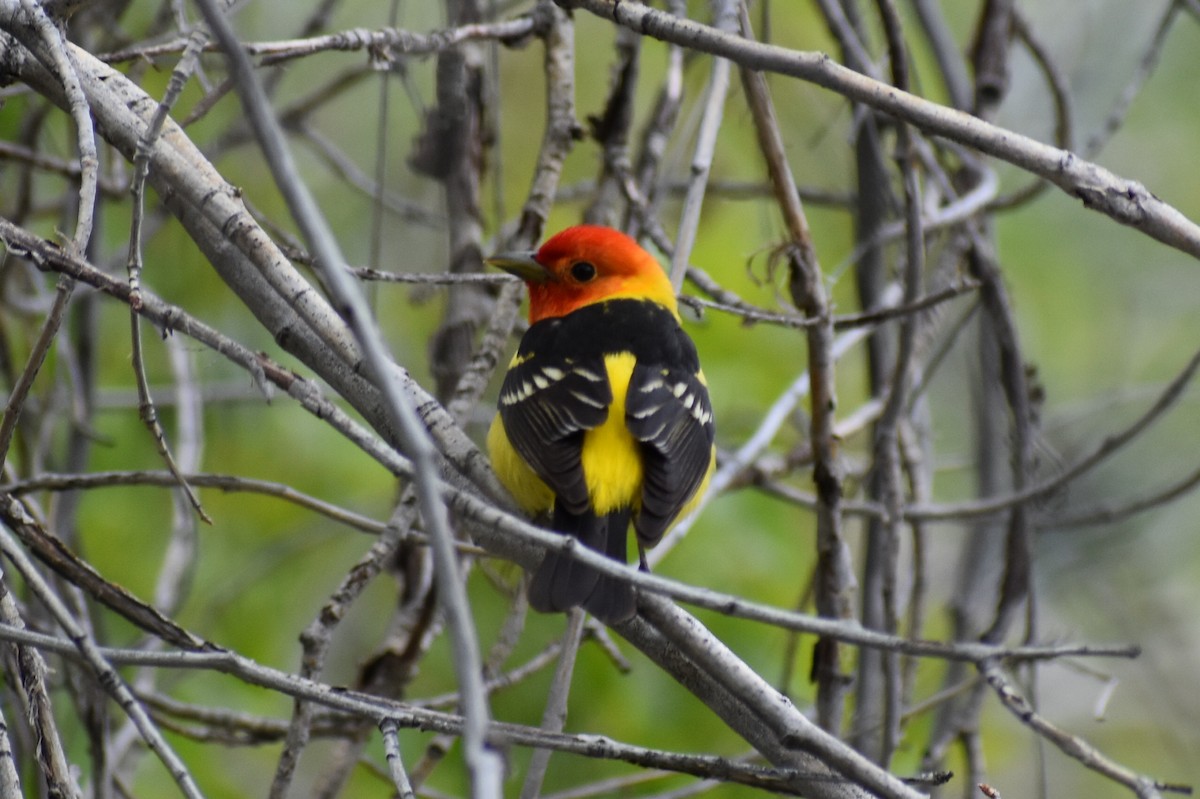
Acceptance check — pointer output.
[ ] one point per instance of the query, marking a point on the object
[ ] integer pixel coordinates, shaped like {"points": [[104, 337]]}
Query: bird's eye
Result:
{"points": [[582, 271]]}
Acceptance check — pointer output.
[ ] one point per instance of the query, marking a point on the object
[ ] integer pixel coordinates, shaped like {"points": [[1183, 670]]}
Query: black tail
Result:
{"points": [[560, 582]]}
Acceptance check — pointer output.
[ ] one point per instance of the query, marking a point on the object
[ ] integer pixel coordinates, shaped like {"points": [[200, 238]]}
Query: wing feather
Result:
{"points": [[668, 410], [557, 389], [546, 404]]}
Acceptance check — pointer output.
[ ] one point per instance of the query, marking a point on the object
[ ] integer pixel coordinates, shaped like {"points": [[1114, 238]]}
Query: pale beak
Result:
{"points": [[522, 264]]}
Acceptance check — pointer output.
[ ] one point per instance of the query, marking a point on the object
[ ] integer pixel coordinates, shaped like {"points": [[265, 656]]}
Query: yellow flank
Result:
{"points": [[533, 495], [612, 463]]}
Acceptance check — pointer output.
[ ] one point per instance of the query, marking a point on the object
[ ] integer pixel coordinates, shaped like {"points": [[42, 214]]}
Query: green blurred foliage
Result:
{"points": [[1106, 315]]}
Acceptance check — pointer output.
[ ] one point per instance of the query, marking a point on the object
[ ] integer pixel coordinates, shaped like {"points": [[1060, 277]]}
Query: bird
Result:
{"points": [[603, 417]]}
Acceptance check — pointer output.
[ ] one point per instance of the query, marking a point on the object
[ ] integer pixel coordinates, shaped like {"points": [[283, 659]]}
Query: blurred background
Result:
{"points": [[1107, 318]]}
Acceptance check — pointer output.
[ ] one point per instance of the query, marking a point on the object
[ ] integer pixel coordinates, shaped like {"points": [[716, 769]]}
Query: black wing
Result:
{"points": [[668, 410], [547, 401], [558, 388]]}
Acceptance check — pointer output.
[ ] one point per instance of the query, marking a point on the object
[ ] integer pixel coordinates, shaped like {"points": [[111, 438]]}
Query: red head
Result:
{"points": [[586, 264]]}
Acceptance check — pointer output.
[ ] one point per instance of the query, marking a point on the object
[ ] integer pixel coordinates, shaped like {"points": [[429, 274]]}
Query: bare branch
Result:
{"points": [[484, 766], [1072, 745], [1125, 201], [105, 673]]}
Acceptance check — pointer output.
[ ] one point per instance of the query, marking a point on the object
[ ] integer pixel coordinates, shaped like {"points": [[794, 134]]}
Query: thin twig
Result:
{"points": [[514, 677], [1109, 445], [1146, 66], [453, 149], [345, 167], [32, 672], [772, 421], [12, 151], [306, 393], [554, 716], [1123, 200], [54, 551], [396, 40], [951, 65], [980, 198], [391, 744], [848, 38], [36, 25], [886, 446], [141, 166], [1072, 745], [484, 766], [380, 710], [562, 129], [806, 284], [1064, 134], [384, 63], [842, 321], [105, 673], [317, 637], [231, 239], [610, 129], [29, 22], [37, 357], [724, 18], [1109, 513], [434, 279], [10, 780], [719, 664]]}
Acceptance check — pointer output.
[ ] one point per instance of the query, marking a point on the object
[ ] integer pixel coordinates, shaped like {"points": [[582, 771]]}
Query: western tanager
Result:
{"points": [[604, 414]]}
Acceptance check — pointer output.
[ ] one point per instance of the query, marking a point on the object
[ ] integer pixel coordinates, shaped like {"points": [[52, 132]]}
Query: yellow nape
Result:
{"points": [[647, 287], [533, 495], [612, 461]]}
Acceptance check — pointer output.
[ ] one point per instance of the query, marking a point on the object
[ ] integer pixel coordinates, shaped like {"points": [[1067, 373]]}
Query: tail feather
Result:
{"points": [[613, 601], [560, 582]]}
